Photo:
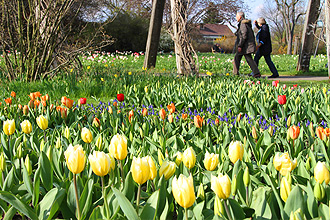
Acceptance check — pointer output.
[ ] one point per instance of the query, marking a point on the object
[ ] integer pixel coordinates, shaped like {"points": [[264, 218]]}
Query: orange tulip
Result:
{"points": [[32, 97], [198, 121], [294, 132], [63, 100], [64, 113], [44, 103], [144, 112], [25, 110], [36, 103], [8, 101], [96, 122], [13, 94], [327, 131], [162, 113], [171, 108], [115, 104], [58, 109], [45, 98], [20, 107], [37, 94], [31, 103], [130, 116], [184, 116], [69, 103]]}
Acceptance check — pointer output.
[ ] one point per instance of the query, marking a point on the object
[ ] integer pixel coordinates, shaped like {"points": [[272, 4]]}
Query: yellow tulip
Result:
{"points": [[211, 161], [28, 165], [112, 162], [167, 169], [152, 166], [183, 191], [86, 135], [9, 127], [283, 163], [140, 170], [178, 158], [42, 122], [321, 173], [100, 163], [221, 185], [235, 151], [189, 158], [75, 158], [2, 162], [118, 147], [67, 132], [285, 189], [26, 127], [160, 157], [98, 143]]}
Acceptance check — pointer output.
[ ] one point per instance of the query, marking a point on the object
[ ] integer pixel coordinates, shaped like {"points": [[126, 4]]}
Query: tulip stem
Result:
{"points": [[122, 172], [138, 199], [45, 136], [227, 210], [105, 201], [186, 213], [247, 195], [76, 192]]}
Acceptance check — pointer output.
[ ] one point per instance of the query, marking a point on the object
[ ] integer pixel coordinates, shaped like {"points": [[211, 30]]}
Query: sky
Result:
{"points": [[255, 8]]}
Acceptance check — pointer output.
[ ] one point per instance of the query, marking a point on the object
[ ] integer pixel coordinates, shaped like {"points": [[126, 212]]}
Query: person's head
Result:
{"points": [[261, 21], [217, 45], [240, 15]]}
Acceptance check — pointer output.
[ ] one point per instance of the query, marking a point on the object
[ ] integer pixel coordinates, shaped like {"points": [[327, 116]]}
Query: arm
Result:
{"points": [[243, 36], [264, 32]]}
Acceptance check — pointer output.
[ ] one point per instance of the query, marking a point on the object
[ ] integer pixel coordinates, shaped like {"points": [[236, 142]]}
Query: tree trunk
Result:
{"points": [[290, 36], [327, 23]]}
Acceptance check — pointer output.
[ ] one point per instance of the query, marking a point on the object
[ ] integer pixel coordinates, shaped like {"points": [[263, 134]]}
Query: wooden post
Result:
{"points": [[327, 23], [154, 33], [307, 38]]}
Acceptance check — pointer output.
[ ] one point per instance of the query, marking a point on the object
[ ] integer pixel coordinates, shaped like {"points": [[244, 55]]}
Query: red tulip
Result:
{"points": [[281, 99], [120, 97], [275, 83], [82, 101]]}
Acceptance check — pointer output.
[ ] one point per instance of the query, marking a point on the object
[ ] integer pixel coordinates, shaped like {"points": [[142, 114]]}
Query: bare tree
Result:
{"points": [[36, 37], [289, 10]]}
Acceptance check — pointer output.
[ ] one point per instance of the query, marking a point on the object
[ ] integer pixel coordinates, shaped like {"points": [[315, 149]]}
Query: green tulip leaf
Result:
{"points": [[85, 199], [324, 211], [26, 179], [151, 207], [18, 204], [295, 201], [46, 171], [260, 205], [198, 209], [50, 204], [125, 205]]}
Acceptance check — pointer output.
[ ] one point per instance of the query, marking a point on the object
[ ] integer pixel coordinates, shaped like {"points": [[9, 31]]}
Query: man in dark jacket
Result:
{"points": [[245, 45], [264, 46]]}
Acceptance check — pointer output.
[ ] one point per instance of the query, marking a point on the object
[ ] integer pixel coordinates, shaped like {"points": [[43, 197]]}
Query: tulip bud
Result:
{"points": [[118, 147], [234, 185], [146, 89], [28, 165], [2, 162], [216, 122], [167, 169], [110, 110], [311, 129], [42, 122], [50, 153], [144, 112], [218, 207], [42, 145], [31, 104], [254, 133], [86, 135], [98, 143], [25, 110], [211, 161], [271, 130], [162, 113], [170, 118], [178, 158], [161, 141], [9, 127], [319, 191], [26, 127], [58, 143], [288, 122], [96, 122], [297, 100], [297, 215], [67, 132], [321, 173], [285, 189], [246, 177], [235, 151], [19, 151], [250, 94], [239, 117], [200, 192], [221, 186]]}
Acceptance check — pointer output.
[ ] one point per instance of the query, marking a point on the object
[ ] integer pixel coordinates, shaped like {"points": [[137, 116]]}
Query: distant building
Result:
{"points": [[213, 32], [206, 35]]}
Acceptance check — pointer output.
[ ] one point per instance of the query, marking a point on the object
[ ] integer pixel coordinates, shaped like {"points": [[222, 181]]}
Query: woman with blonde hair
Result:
{"points": [[264, 46]]}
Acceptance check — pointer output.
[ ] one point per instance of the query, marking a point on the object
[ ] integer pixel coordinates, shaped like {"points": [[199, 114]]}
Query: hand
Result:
{"points": [[239, 49]]}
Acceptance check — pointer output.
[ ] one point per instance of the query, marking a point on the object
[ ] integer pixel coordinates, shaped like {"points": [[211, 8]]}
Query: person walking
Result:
{"points": [[245, 45], [264, 46]]}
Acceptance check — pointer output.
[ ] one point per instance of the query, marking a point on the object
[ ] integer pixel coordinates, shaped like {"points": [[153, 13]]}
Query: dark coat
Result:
{"points": [[263, 37], [245, 37]]}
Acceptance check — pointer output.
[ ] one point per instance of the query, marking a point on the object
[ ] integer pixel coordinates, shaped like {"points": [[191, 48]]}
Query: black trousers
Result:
{"points": [[249, 60], [268, 60]]}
